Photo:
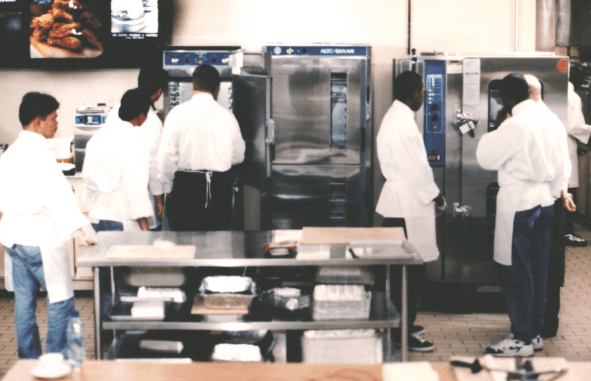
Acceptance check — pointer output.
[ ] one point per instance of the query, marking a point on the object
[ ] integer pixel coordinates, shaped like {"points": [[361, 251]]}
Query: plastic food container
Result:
{"points": [[285, 297], [355, 346], [337, 302], [228, 292]]}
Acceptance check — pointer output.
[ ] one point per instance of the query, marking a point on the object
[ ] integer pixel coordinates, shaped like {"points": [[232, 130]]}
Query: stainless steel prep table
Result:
{"points": [[241, 249]]}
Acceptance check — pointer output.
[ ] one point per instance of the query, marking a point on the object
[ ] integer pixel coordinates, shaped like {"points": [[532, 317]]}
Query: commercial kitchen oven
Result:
{"points": [[461, 103], [306, 120]]}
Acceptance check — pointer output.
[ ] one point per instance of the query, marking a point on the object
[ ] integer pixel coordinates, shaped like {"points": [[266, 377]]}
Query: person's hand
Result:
{"points": [[168, 195], [160, 206], [89, 235], [143, 223], [501, 116], [440, 204], [569, 204]]}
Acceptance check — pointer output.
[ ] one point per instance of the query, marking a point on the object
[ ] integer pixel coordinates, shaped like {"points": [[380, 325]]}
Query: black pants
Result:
{"points": [[415, 280], [556, 267], [186, 208], [569, 216]]}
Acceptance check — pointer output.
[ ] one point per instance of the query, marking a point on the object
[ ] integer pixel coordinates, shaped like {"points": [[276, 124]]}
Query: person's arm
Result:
{"points": [[238, 145], [160, 206], [153, 138], [406, 153], [59, 199], [143, 222], [576, 126], [498, 146], [135, 186], [168, 153]]}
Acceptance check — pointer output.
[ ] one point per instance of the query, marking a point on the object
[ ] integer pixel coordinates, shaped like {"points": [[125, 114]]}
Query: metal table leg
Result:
{"points": [[404, 318], [97, 315]]}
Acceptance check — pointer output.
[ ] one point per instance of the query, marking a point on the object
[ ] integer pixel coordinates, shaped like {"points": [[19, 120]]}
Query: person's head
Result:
{"points": [[575, 75], [152, 80], [207, 79], [535, 87], [514, 90], [135, 105], [38, 113], [409, 89]]}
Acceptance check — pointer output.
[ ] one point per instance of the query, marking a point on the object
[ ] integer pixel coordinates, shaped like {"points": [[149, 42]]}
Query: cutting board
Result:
{"points": [[342, 236], [150, 252], [200, 309], [539, 364]]}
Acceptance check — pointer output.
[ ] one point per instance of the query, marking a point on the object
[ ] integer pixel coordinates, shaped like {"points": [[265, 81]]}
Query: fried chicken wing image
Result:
{"points": [[65, 5], [91, 39], [64, 30], [42, 25], [89, 20], [69, 25], [71, 43], [60, 14]]}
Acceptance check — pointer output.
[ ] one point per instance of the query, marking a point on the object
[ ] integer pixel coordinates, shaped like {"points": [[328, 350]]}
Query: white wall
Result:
{"points": [[452, 26]]}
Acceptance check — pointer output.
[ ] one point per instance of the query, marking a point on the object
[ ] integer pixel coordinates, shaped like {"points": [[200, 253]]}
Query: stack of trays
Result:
{"points": [[337, 302], [244, 346], [348, 346]]}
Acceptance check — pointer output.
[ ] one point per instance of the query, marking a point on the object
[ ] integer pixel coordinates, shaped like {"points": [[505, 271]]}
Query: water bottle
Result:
{"points": [[76, 349]]}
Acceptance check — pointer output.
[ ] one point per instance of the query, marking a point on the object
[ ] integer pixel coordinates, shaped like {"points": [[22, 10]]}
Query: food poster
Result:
{"points": [[68, 28]]}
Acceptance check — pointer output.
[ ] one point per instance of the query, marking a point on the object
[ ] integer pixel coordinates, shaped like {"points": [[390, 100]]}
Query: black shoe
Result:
{"points": [[574, 240], [416, 342]]}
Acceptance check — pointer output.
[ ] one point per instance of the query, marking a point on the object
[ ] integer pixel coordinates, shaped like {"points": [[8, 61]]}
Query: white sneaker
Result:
{"points": [[510, 348], [537, 343]]}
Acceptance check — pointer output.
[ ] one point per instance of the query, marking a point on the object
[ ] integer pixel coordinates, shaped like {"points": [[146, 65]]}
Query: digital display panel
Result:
{"points": [[134, 19], [83, 33], [67, 29]]}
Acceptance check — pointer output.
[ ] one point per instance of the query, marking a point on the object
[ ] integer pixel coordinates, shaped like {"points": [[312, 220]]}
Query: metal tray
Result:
{"points": [[122, 312]]}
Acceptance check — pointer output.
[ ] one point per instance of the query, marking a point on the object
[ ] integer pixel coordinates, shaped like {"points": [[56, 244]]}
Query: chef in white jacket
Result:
{"points": [[529, 152], [151, 80], [116, 169], [40, 214], [577, 129], [201, 141], [410, 195], [116, 174]]}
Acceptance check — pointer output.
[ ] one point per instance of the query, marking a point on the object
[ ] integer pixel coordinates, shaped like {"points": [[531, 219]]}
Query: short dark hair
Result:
{"points": [[36, 105], [151, 79], [406, 85], [206, 78], [133, 103], [514, 86]]}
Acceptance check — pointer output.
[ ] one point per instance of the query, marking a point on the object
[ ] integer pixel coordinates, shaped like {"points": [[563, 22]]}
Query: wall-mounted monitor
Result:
{"points": [[83, 33]]}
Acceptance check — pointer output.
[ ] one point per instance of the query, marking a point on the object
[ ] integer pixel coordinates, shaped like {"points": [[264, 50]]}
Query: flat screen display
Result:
{"points": [[134, 19], [67, 29], [82, 33]]}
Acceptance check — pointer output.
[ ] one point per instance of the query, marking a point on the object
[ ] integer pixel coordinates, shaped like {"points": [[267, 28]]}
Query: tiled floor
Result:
{"points": [[453, 334]]}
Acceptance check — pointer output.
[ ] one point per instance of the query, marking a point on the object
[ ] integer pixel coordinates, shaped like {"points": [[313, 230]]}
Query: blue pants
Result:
{"points": [[524, 283], [105, 273], [28, 276]]}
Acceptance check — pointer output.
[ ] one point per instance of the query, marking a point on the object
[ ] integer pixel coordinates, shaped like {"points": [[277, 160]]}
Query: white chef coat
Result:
{"points": [[529, 152], [576, 129], [409, 190], [149, 135], [115, 173], [39, 209], [199, 135]]}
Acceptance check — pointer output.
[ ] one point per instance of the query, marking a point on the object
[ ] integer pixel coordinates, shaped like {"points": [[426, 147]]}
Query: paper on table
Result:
{"points": [[313, 252], [409, 371]]}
